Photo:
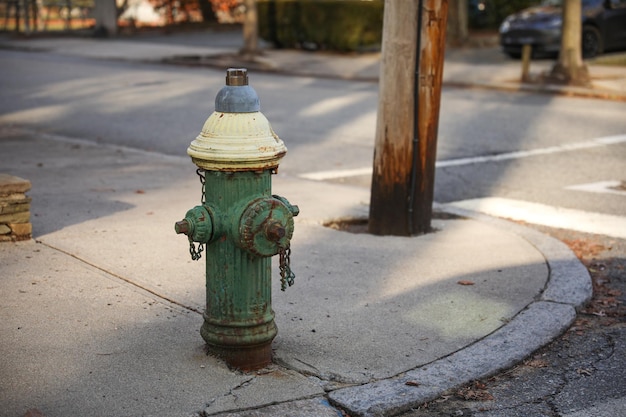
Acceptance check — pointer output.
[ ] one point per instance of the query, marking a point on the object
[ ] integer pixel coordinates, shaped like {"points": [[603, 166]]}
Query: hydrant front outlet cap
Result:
{"points": [[266, 226]]}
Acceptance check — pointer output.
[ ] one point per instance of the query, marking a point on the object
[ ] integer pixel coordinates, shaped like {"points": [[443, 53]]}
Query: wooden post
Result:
{"points": [[408, 117], [526, 54]]}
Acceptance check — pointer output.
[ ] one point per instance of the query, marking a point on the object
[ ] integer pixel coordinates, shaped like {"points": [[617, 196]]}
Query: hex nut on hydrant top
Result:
{"points": [[239, 225]]}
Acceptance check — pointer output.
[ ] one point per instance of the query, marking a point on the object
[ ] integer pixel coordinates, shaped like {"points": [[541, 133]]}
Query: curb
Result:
{"points": [[256, 64], [265, 65], [498, 351], [543, 89], [568, 289]]}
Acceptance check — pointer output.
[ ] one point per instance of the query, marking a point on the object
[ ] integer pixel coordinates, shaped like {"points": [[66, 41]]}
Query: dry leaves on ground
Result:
{"points": [[477, 391]]}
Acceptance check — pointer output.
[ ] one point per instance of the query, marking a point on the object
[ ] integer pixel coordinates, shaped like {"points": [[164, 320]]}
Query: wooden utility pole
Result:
{"points": [[408, 117], [570, 68]]}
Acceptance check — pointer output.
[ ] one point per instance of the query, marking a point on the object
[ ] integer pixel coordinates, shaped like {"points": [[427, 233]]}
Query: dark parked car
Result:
{"points": [[604, 28]]}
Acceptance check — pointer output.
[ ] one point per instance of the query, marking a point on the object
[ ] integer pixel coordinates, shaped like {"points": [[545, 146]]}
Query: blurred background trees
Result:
{"points": [[313, 24]]}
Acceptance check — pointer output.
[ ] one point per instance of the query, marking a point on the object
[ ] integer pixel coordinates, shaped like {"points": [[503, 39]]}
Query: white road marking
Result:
{"points": [[604, 187], [593, 143], [342, 173], [541, 214]]}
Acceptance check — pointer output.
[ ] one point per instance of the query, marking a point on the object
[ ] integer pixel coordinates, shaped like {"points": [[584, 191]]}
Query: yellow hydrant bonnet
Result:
{"points": [[237, 136]]}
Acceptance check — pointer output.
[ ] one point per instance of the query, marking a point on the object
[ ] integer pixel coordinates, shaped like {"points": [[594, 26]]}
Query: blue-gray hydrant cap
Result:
{"points": [[237, 96]]}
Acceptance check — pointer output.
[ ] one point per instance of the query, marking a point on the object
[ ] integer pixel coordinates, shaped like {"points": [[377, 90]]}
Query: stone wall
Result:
{"points": [[14, 209]]}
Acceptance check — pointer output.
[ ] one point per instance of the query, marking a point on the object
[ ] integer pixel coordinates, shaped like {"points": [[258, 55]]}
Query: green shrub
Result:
{"points": [[338, 25], [351, 25]]}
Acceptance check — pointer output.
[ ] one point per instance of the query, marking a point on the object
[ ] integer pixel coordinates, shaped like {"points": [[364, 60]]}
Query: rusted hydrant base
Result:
{"points": [[244, 359], [246, 348]]}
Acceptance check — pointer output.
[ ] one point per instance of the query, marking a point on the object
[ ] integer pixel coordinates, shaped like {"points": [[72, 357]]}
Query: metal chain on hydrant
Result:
{"points": [[197, 254], [287, 276], [200, 171]]}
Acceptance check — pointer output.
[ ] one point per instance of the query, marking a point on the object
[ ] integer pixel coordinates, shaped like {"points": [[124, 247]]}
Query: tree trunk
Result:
{"points": [[206, 8], [408, 117], [570, 68], [250, 29], [457, 31], [106, 17]]}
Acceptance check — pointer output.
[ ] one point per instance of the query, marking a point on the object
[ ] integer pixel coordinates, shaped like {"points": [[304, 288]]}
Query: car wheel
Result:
{"points": [[592, 42]]}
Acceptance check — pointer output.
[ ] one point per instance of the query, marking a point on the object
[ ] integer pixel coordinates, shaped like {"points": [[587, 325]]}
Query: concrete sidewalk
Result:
{"points": [[101, 311]]}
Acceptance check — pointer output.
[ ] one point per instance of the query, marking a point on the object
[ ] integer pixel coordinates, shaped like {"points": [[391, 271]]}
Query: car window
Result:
{"points": [[618, 4], [586, 3]]}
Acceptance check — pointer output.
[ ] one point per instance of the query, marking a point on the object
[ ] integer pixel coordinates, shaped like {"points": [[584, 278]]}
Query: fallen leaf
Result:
{"points": [[465, 282], [412, 383], [479, 385], [584, 247], [475, 392], [475, 395], [537, 363]]}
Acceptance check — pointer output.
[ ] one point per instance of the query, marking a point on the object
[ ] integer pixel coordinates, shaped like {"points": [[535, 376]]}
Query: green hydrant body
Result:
{"points": [[241, 223]]}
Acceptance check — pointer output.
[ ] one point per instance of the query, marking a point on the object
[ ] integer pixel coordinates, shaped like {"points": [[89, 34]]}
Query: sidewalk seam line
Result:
{"points": [[126, 280]]}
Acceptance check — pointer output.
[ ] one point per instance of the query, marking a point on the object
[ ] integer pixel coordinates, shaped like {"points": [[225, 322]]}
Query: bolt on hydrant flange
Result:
{"points": [[241, 224]]}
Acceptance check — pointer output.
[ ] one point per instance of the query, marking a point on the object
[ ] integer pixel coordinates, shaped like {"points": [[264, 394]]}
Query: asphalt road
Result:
{"points": [[328, 125]]}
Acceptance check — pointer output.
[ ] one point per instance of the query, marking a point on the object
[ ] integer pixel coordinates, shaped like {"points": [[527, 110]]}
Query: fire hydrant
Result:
{"points": [[241, 224]]}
